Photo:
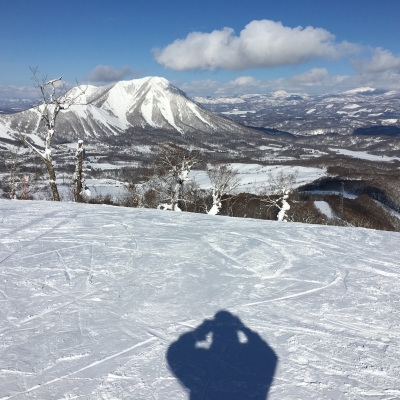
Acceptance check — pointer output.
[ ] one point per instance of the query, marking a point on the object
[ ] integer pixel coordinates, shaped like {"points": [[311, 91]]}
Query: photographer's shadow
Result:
{"points": [[223, 359]]}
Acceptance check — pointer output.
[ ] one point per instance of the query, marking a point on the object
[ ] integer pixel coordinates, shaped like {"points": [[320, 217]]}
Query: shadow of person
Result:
{"points": [[223, 359]]}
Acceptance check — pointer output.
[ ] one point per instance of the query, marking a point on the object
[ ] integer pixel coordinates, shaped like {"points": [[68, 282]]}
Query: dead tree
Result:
{"points": [[54, 99]]}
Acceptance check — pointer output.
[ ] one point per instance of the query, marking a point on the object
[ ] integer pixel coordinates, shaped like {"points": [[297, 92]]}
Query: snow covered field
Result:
{"points": [[254, 176], [93, 297], [364, 155]]}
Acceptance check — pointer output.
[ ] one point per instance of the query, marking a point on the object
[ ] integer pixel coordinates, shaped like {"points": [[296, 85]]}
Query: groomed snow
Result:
{"points": [[92, 298]]}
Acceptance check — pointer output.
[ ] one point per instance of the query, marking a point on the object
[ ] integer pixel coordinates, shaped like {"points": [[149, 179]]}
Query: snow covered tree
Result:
{"points": [[80, 189], [54, 98], [224, 180], [173, 165], [276, 193]]}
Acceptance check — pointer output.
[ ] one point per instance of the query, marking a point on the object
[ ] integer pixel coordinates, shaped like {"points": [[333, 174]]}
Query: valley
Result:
{"points": [[351, 137]]}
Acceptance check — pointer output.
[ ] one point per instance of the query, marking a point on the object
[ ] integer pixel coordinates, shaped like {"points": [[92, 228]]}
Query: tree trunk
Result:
{"points": [[52, 181], [78, 177]]}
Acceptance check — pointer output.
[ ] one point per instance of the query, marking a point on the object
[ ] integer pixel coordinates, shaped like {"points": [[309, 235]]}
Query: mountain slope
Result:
{"points": [[150, 103], [94, 297]]}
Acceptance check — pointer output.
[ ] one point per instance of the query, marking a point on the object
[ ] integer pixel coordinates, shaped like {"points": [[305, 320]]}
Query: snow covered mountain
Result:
{"points": [[303, 114], [151, 104], [102, 302]]}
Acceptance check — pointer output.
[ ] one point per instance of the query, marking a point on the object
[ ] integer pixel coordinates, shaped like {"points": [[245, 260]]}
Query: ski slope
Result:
{"points": [[93, 299]]}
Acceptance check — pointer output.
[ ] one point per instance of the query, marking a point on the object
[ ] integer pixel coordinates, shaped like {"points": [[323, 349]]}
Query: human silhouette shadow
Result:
{"points": [[222, 359]]}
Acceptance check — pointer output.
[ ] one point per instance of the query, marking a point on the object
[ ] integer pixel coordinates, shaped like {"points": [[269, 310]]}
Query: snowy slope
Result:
{"points": [[147, 103], [92, 298]]}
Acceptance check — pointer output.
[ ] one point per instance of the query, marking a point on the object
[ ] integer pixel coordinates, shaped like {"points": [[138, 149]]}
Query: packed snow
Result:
{"points": [[104, 302]]}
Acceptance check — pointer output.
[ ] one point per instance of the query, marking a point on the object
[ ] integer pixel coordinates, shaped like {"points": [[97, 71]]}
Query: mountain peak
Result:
{"points": [[150, 103], [359, 90]]}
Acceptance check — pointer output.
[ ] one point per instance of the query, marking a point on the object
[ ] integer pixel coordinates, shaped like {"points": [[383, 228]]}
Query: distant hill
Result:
{"points": [[302, 114]]}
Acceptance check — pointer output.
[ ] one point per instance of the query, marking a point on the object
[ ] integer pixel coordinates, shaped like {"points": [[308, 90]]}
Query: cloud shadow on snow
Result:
{"points": [[222, 359]]}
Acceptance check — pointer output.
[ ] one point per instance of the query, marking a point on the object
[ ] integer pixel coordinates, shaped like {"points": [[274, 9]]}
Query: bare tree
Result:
{"points": [[276, 193], [21, 180], [54, 98], [224, 181], [174, 164], [13, 162]]}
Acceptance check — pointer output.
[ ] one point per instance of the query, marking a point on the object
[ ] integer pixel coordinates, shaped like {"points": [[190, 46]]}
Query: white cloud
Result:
{"points": [[245, 81], [381, 61], [316, 77], [18, 92], [313, 77], [312, 81], [108, 73], [262, 43]]}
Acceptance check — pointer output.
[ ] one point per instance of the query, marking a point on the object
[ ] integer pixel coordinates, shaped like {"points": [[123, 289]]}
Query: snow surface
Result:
{"points": [[364, 155], [390, 121], [347, 195], [351, 106], [324, 208], [92, 298], [254, 176], [359, 90]]}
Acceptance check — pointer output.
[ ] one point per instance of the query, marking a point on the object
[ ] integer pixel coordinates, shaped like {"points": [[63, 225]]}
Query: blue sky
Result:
{"points": [[204, 47]]}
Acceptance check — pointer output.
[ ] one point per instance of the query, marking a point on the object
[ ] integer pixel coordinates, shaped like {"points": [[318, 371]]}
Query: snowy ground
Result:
{"points": [[254, 176], [364, 155], [92, 297], [324, 208]]}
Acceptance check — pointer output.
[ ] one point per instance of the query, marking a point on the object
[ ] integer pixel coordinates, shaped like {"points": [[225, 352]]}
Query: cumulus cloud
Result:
{"points": [[245, 81], [108, 73], [312, 81], [261, 43], [381, 61], [18, 92], [313, 77]]}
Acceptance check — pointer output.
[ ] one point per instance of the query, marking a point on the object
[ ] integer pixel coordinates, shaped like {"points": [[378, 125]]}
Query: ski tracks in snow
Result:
{"points": [[91, 365]]}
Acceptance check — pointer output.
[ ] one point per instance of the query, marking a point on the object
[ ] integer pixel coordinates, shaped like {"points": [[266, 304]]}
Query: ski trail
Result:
{"points": [[67, 274], [51, 251], [339, 278], [287, 259], [93, 364]]}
